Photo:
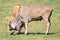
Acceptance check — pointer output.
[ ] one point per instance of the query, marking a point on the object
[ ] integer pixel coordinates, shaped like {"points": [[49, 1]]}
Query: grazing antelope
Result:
{"points": [[31, 13]]}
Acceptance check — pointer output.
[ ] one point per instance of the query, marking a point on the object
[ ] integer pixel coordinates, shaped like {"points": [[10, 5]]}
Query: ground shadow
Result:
{"points": [[41, 33], [38, 33]]}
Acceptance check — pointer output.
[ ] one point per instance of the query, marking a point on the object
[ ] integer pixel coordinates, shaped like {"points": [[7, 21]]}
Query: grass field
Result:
{"points": [[36, 29]]}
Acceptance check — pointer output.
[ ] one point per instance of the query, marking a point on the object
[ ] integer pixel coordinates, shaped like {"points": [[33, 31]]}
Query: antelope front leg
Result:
{"points": [[18, 31], [25, 28]]}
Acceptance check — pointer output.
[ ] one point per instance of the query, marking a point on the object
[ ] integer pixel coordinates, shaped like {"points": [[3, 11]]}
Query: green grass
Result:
{"points": [[36, 29]]}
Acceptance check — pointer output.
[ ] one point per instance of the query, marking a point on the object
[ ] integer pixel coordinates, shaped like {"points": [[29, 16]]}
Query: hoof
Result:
{"points": [[11, 34], [25, 33], [46, 33], [18, 33]]}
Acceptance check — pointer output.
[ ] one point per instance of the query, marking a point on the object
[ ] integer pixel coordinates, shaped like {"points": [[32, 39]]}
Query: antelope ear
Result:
{"points": [[16, 9], [19, 8]]}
